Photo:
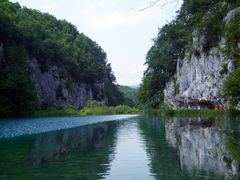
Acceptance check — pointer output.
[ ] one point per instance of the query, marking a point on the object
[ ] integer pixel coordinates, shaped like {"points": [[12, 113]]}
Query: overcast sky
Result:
{"points": [[124, 32]]}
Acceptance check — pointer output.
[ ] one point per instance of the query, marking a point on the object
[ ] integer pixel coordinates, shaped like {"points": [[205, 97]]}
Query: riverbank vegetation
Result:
{"points": [[92, 108], [193, 112]]}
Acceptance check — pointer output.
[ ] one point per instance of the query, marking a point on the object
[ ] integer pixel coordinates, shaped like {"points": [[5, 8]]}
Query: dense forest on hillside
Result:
{"points": [[201, 18], [27, 34], [130, 93]]}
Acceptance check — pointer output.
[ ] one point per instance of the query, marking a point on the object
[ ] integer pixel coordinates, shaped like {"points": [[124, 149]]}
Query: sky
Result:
{"points": [[123, 31]]}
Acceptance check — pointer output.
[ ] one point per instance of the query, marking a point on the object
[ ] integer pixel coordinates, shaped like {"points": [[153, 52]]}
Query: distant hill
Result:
{"points": [[130, 92], [134, 86]]}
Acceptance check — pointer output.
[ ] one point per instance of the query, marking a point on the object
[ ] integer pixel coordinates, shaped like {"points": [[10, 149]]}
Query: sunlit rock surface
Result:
{"points": [[199, 80]]}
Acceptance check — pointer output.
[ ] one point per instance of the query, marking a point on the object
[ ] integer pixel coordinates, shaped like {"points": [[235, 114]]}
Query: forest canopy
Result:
{"points": [[26, 34]]}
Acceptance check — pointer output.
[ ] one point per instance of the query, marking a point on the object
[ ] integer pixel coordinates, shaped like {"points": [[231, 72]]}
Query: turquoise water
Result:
{"points": [[120, 147]]}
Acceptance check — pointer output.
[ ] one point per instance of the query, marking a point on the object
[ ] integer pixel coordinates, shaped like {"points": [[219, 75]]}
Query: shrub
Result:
{"points": [[232, 84]]}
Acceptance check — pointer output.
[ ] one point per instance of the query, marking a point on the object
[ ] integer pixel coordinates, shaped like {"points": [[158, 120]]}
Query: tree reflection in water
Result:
{"points": [[204, 148], [81, 153]]}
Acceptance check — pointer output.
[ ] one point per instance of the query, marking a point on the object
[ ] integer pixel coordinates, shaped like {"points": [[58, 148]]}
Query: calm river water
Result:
{"points": [[120, 147]]}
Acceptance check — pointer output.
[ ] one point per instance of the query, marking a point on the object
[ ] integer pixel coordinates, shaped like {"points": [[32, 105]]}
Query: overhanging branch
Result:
{"points": [[156, 2]]}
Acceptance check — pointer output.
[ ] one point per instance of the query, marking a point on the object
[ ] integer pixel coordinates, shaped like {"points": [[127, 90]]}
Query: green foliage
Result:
{"points": [[224, 69], [17, 95], [202, 19], [53, 41], [115, 97], [232, 84], [92, 108], [93, 104], [68, 111], [190, 112], [26, 34], [130, 94], [232, 34], [233, 145], [102, 110], [124, 109]]}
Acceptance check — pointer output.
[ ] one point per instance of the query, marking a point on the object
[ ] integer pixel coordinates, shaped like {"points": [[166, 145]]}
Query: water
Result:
{"points": [[17, 127], [126, 147]]}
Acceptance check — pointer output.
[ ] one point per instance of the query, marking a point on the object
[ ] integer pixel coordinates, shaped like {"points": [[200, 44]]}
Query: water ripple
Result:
{"points": [[17, 127]]}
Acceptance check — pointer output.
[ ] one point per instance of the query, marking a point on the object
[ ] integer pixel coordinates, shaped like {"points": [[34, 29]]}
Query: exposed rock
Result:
{"points": [[199, 80], [231, 14], [55, 89], [238, 106]]}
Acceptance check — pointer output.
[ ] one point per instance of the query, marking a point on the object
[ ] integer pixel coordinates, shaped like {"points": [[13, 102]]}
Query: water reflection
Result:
{"points": [[52, 146], [131, 160], [82, 152], [164, 161], [202, 145], [146, 147]]}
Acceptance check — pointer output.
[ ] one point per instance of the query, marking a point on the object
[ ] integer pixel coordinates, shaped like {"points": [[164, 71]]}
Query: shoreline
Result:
{"points": [[71, 111], [194, 112]]}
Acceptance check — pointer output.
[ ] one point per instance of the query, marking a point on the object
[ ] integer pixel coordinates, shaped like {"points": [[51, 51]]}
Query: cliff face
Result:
{"points": [[199, 78], [54, 89], [195, 57]]}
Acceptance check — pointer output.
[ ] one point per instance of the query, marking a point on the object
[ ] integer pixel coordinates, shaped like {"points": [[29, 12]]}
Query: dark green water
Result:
{"points": [[144, 147]]}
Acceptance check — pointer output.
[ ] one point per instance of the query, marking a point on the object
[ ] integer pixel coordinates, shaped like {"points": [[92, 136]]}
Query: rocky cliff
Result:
{"points": [[199, 78], [199, 81], [194, 60], [54, 89]]}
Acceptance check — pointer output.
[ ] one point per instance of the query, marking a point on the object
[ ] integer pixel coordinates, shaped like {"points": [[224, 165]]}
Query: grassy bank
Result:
{"points": [[98, 110], [193, 112], [120, 109], [69, 111]]}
